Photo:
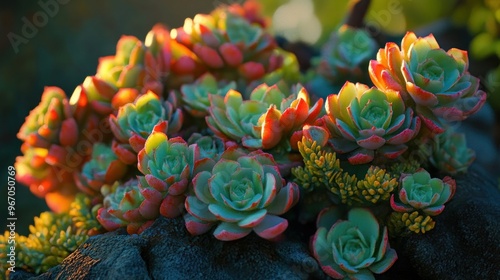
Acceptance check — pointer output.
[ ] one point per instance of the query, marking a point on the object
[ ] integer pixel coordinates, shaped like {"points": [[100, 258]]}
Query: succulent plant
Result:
{"points": [[132, 66], [51, 122], [354, 248], [365, 121], [419, 191], [210, 147], [195, 95], [135, 121], [103, 167], [83, 213], [320, 166], [345, 54], [168, 166], [229, 45], [436, 83], [52, 238], [124, 206], [53, 183], [450, 153], [377, 185], [269, 117], [245, 192]]}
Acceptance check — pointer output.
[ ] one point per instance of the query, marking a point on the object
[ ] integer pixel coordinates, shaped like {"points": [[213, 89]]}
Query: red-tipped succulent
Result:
{"points": [[135, 121], [435, 82], [243, 192], [364, 121], [124, 206]]}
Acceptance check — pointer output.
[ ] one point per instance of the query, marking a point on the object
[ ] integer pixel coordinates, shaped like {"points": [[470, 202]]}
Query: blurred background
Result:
{"points": [[66, 38]]}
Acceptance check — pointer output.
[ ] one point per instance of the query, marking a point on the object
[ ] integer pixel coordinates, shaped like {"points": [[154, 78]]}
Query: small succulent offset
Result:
{"points": [[245, 192], [124, 206], [450, 153], [419, 191], [104, 167], [354, 248], [436, 83], [346, 55], [196, 95], [367, 121]]}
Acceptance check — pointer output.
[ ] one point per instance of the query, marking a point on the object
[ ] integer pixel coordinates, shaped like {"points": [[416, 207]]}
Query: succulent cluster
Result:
{"points": [[213, 122]]}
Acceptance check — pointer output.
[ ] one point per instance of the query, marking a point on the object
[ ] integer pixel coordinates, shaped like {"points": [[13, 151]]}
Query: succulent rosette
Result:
{"points": [[229, 45], [345, 54], [243, 192], [270, 116], [168, 166], [135, 121], [418, 191], [124, 206], [437, 82], [103, 167], [195, 95], [51, 122], [210, 147], [450, 153], [365, 121], [354, 248]]}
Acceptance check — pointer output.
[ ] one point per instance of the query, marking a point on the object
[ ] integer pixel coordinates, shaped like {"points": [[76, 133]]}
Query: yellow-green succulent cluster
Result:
{"points": [[322, 170]]}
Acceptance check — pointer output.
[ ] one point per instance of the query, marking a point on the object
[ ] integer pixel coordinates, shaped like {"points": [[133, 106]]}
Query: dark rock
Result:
{"points": [[465, 244], [167, 251]]}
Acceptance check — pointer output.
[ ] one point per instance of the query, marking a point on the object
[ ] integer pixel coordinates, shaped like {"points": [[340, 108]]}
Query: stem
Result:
{"points": [[358, 12]]}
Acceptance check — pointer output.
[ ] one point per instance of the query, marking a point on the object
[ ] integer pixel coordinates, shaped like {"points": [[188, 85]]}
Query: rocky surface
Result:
{"points": [[465, 244], [167, 251]]}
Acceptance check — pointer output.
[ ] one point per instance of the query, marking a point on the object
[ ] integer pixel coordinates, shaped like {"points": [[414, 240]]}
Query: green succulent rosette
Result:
{"points": [[229, 46], [270, 116], [354, 248], [346, 54], [135, 121], [103, 167], [243, 192], [450, 153], [435, 82], [124, 206], [168, 166], [195, 95], [418, 191], [366, 121]]}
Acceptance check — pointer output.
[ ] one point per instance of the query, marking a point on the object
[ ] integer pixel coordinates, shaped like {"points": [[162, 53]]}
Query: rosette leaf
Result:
{"points": [[419, 191], [195, 95], [364, 121], [435, 82], [354, 248], [124, 206], [135, 121], [244, 193], [103, 167], [450, 153]]}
